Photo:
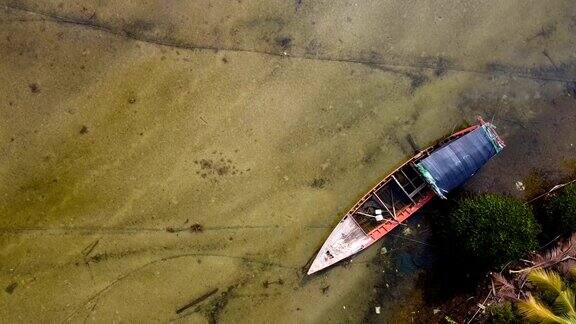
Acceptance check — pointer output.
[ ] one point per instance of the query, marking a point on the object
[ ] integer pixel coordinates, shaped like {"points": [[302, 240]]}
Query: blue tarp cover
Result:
{"points": [[454, 163]]}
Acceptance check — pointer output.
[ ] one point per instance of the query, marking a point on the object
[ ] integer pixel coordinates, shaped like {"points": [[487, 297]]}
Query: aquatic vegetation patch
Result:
{"points": [[503, 313], [491, 230], [560, 212], [217, 165]]}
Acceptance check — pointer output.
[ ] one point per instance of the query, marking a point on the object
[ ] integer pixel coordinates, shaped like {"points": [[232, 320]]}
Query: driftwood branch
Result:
{"points": [[556, 187], [480, 307], [196, 301]]}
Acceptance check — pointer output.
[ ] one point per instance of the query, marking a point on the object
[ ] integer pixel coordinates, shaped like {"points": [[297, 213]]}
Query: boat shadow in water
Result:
{"points": [[416, 273]]}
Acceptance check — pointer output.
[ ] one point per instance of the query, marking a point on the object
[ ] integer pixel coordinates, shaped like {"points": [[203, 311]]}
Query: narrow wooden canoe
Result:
{"points": [[388, 204]]}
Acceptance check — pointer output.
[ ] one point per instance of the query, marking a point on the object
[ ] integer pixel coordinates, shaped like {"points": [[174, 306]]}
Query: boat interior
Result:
{"points": [[400, 190]]}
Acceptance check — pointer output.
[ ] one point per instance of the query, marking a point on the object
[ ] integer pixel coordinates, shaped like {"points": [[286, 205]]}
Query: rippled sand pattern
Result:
{"points": [[150, 153]]}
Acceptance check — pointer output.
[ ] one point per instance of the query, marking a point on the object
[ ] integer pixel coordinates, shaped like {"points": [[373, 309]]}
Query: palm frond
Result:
{"points": [[564, 303], [571, 319], [559, 253], [503, 288], [572, 271], [535, 311], [546, 280], [571, 245], [565, 268]]}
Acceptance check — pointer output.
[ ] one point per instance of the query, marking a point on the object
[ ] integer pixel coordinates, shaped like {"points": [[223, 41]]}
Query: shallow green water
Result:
{"points": [[123, 124]]}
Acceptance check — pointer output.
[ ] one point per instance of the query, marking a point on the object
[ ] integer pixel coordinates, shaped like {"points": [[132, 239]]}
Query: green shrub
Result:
{"points": [[490, 230], [561, 212], [502, 314]]}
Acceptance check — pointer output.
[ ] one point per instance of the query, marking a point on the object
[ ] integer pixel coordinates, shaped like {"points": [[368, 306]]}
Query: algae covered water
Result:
{"points": [[153, 155]]}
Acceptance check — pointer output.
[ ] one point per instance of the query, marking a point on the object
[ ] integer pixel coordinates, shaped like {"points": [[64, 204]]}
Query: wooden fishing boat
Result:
{"points": [[431, 172]]}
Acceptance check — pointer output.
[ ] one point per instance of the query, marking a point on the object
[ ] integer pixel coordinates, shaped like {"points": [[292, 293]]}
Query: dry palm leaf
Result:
{"points": [[573, 271], [568, 268], [562, 252], [503, 288]]}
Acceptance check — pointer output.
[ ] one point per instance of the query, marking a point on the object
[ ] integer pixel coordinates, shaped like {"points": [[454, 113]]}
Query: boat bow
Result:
{"points": [[345, 240]]}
